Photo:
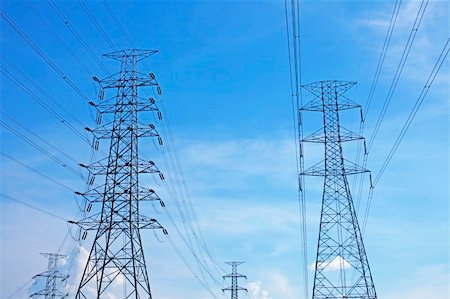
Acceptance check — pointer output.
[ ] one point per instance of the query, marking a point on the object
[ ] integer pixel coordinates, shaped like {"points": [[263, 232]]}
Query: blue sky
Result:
{"points": [[223, 67]]}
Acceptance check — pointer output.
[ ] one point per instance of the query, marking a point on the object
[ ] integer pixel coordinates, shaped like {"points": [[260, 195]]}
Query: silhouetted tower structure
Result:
{"points": [[116, 264], [341, 269], [234, 275], [53, 278]]}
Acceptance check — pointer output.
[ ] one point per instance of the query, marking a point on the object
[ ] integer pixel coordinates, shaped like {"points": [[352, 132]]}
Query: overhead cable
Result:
{"points": [[2, 195], [398, 72]]}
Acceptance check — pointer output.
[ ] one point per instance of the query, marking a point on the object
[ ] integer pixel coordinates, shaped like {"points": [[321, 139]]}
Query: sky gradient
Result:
{"points": [[223, 68]]}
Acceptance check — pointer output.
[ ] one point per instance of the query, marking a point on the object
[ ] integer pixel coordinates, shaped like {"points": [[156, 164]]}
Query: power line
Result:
{"points": [[57, 69], [96, 24], [77, 35], [12, 120], [15, 200], [36, 171], [185, 221], [32, 207], [183, 190], [381, 59], [363, 45], [387, 40], [42, 103], [46, 94], [295, 74], [190, 248], [20, 288], [172, 243], [416, 107], [57, 36], [43, 55], [40, 148], [122, 29], [406, 50], [177, 194], [172, 162]]}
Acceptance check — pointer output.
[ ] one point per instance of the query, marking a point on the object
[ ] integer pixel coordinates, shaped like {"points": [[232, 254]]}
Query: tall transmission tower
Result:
{"points": [[234, 275], [53, 278], [116, 265], [341, 269]]}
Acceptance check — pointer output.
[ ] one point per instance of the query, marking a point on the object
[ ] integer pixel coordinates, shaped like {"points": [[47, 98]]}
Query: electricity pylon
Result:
{"points": [[341, 269], [116, 265], [234, 275], [53, 278]]}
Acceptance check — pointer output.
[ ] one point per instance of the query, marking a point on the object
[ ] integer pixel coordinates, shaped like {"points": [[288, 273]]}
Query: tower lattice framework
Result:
{"points": [[116, 265], [53, 278], [234, 276], [341, 268]]}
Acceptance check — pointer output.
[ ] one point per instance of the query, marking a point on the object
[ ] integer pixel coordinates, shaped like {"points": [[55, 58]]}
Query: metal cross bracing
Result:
{"points": [[53, 278], [341, 268], [234, 275], [116, 265]]}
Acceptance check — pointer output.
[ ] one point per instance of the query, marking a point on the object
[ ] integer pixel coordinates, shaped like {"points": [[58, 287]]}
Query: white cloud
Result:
{"points": [[255, 291], [335, 264]]}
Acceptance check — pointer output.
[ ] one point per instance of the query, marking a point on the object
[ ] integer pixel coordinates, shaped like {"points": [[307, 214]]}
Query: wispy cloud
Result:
{"points": [[430, 39], [256, 292], [435, 286]]}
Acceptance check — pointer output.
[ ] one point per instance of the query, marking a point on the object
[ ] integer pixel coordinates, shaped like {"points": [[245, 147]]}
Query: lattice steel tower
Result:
{"points": [[53, 278], [341, 268], [116, 265], [234, 275]]}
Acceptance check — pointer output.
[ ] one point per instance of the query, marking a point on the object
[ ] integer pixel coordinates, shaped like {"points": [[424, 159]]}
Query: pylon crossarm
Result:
{"points": [[122, 167], [316, 105], [344, 136], [95, 195], [89, 223], [142, 81], [109, 107], [234, 275], [146, 131], [52, 273], [319, 169], [237, 288], [313, 106], [149, 223], [140, 130], [336, 86], [137, 54]]}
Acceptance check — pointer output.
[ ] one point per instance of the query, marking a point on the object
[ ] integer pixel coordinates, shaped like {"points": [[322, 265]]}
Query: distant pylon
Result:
{"points": [[116, 266], [341, 268], [53, 278], [234, 275]]}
